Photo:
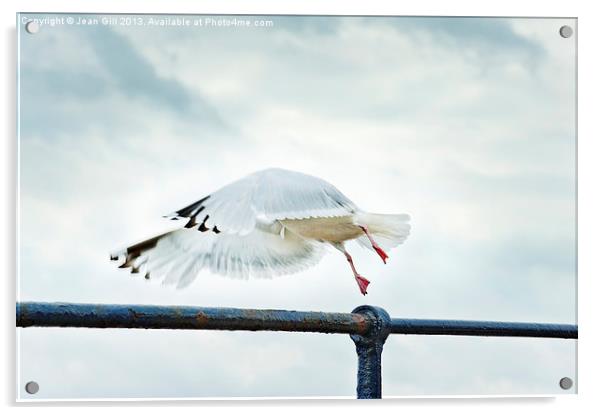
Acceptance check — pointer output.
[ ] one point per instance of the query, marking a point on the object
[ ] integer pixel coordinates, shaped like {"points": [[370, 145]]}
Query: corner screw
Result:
{"points": [[566, 31], [566, 383], [32, 27], [32, 387]]}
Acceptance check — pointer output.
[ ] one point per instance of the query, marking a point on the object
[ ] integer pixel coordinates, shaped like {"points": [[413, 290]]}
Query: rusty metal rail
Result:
{"points": [[368, 326], [185, 318]]}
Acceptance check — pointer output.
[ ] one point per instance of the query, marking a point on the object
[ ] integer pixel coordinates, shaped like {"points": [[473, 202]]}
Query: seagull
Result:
{"points": [[271, 222]]}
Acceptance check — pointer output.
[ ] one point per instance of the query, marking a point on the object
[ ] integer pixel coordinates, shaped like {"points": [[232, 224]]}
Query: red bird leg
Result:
{"points": [[361, 281], [381, 253]]}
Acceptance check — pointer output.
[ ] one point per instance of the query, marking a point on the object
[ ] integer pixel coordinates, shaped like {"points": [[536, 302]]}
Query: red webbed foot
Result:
{"points": [[363, 284]]}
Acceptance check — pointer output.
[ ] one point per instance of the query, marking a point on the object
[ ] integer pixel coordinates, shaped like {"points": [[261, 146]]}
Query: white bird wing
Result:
{"points": [[235, 231], [267, 195], [177, 257]]}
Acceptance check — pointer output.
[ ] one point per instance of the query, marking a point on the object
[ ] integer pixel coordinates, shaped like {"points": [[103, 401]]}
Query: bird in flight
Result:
{"points": [[272, 222]]}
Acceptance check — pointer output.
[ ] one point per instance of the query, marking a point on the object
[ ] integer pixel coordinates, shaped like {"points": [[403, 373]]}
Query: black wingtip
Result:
{"points": [[190, 209], [191, 223]]}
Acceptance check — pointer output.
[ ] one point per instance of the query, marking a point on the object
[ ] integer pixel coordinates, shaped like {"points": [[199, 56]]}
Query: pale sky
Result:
{"points": [[466, 124]]}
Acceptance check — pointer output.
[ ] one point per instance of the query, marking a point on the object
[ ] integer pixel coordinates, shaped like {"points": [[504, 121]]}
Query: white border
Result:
{"points": [[589, 195]]}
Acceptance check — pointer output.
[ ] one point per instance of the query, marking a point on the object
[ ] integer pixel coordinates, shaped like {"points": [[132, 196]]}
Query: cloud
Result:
{"points": [[303, 25], [134, 76], [469, 32], [61, 94]]}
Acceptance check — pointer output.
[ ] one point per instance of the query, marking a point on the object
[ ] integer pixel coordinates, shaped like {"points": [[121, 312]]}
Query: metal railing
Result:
{"points": [[368, 326]]}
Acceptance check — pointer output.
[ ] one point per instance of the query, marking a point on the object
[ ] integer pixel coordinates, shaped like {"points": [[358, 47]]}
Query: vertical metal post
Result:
{"points": [[369, 348]]}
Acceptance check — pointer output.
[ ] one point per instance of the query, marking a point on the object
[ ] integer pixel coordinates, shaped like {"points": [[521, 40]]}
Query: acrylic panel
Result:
{"points": [[435, 155]]}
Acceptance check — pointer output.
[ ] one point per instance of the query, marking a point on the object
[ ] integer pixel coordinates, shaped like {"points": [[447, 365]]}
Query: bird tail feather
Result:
{"points": [[387, 230]]}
